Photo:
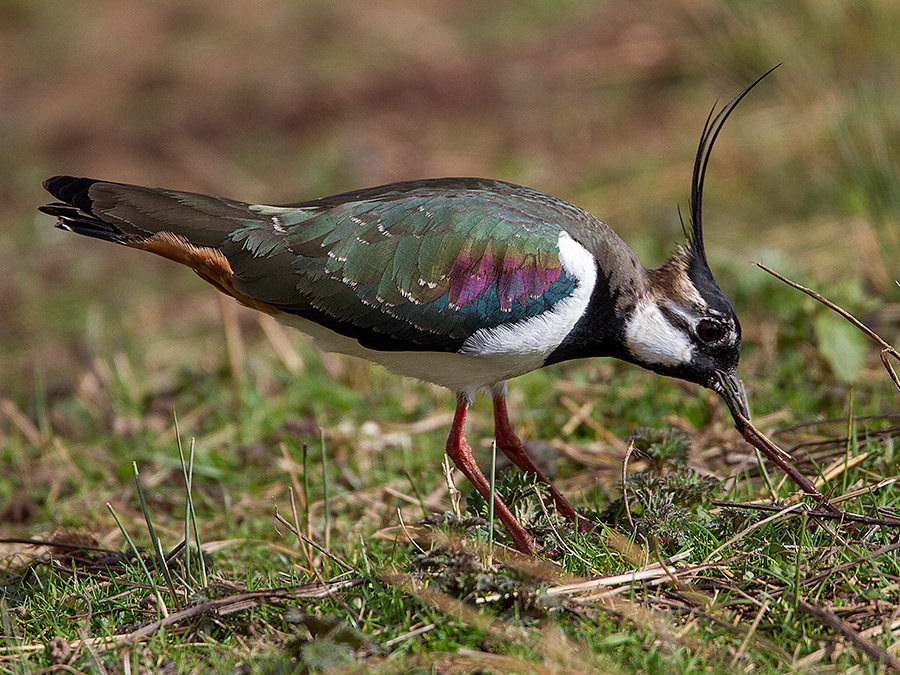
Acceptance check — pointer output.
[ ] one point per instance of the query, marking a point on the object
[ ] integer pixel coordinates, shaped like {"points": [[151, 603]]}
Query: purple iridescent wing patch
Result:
{"points": [[517, 280]]}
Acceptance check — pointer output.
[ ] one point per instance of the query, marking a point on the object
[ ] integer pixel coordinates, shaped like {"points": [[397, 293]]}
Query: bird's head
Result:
{"points": [[683, 325]]}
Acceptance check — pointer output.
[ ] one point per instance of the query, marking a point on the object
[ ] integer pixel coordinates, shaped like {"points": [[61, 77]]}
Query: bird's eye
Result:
{"points": [[710, 331]]}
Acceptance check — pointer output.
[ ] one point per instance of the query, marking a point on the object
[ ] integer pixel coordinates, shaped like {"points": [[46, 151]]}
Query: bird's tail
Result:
{"points": [[185, 227], [130, 214]]}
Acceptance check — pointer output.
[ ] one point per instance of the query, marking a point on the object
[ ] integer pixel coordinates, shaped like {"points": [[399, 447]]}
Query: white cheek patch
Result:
{"points": [[650, 338]]}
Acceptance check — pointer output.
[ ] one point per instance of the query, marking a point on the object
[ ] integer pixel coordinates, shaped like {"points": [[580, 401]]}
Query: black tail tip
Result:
{"points": [[71, 190], [75, 208]]}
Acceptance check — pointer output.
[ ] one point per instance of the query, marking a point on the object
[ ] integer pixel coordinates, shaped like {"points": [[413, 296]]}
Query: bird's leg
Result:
{"points": [[509, 443], [459, 451]]}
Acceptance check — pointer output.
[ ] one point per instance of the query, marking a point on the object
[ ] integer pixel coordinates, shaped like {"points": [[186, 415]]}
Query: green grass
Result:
{"points": [[102, 348]]}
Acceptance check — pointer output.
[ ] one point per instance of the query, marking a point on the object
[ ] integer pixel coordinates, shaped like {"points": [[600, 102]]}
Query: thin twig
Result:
{"points": [[887, 364], [886, 348], [758, 440], [829, 618], [843, 515], [628, 452]]}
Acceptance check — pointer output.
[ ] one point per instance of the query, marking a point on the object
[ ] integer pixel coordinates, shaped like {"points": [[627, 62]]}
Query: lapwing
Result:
{"points": [[463, 282]]}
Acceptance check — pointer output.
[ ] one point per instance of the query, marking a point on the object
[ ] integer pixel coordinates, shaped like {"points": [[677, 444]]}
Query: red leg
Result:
{"points": [[511, 446], [459, 451]]}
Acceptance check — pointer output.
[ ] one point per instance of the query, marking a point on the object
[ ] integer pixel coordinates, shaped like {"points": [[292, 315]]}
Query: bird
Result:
{"points": [[463, 282]]}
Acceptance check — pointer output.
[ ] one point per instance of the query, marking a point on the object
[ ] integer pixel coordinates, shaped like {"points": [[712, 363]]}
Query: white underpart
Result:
{"points": [[651, 338], [491, 355]]}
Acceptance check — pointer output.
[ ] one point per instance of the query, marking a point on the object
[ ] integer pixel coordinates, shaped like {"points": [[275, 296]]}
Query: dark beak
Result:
{"points": [[731, 389]]}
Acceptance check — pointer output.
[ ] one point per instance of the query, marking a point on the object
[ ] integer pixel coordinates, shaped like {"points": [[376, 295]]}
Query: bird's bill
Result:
{"points": [[731, 389]]}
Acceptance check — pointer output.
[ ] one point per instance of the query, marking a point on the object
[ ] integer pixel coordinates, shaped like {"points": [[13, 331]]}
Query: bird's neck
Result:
{"points": [[601, 329]]}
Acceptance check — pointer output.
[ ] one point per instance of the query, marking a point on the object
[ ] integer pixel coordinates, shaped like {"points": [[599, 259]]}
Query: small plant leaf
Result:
{"points": [[842, 346]]}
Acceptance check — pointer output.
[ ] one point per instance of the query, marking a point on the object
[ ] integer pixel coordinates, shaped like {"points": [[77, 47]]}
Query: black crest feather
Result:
{"points": [[711, 129]]}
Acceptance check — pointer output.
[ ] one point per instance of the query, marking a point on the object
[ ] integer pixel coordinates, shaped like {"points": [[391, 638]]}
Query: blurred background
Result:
{"points": [[601, 103]]}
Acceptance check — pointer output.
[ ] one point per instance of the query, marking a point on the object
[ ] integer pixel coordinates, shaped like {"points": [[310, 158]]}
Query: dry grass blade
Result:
{"points": [[234, 340], [454, 493], [651, 571], [321, 549], [887, 350], [281, 342], [868, 489], [421, 630], [840, 466], [11, 411]]}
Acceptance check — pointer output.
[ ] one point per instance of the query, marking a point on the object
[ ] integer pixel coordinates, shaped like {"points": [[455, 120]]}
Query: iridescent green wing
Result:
{"points": [[420, 265]]}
